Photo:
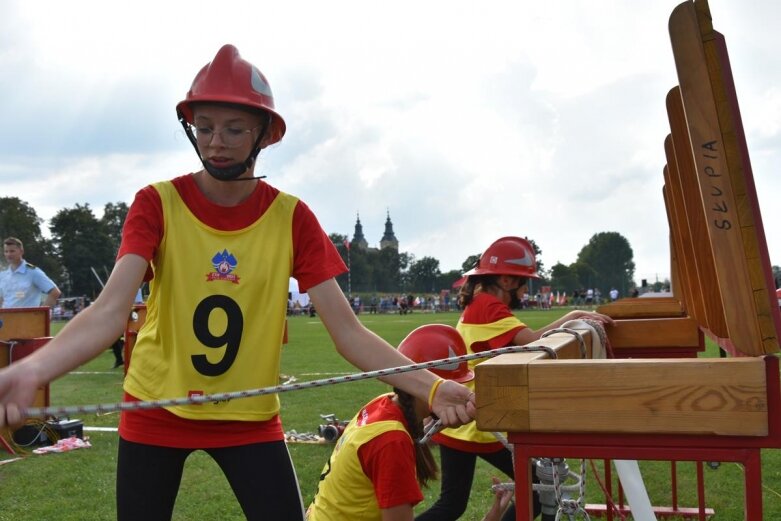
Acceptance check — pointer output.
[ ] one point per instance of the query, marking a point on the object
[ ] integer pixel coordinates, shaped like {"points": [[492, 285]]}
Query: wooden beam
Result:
{"points": [[656, 332], [24, 323], [658, 396], [505, 389], [684, 176], [660, 307]]}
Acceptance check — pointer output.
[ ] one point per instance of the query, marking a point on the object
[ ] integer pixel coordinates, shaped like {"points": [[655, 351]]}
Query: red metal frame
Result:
{"points": [[745, 450], [674, 510]]}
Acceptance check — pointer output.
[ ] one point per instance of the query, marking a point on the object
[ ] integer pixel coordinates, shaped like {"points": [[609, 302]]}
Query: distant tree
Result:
{"points": [[19, 219], [340, 242], [361, 269], [387, 270], [564, 278], [611, 260], [424, 275], [585, 274], [537, 255], [470, 262], [405, 261], [82, 242], [114, 215], [447, 279], [337, 238], [663, 285]]}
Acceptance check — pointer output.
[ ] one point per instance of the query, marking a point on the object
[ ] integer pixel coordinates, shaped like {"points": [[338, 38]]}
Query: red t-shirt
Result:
{"points": [[484, 309], [389, 459], [487, 309], [315, 260]]}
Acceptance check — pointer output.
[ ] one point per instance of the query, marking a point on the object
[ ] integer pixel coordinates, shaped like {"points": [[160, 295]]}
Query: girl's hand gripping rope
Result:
{"points": [[453, 403], [430, 429], [17, 392]]}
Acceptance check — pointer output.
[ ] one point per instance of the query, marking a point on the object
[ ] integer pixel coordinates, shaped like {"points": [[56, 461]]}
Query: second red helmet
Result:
{"points": [[435, 342], [507, 256]]}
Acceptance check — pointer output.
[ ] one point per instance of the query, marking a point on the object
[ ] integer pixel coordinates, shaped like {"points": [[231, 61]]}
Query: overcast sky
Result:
{"points": [[466, 121]]}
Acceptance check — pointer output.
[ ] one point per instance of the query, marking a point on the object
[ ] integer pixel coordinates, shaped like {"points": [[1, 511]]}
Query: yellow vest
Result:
{"points": [[472, 333], [216, 311], [345, 492]]}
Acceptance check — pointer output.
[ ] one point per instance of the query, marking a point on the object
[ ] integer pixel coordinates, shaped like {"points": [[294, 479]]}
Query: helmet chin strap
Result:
{"points": [[229, 173]]}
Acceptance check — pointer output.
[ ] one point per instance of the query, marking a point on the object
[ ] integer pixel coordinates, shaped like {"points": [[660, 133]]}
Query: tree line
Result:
{"points": [[80, 251], [605, 262]]}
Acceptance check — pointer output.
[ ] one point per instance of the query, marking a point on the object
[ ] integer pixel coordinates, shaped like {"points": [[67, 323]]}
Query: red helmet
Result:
{"points": [[507, 256], [230, 79], [435, 342]]}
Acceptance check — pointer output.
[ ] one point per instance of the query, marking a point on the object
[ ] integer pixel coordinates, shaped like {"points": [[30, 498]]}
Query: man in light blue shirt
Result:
{"points": [[23, 284]]}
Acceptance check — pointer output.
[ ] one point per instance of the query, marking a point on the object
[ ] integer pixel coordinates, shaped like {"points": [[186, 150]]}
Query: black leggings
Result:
{"points": [[458, 471], [261, 475]]}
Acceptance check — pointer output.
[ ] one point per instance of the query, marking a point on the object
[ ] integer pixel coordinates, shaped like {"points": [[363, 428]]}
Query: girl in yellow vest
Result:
{"points": [[377, 467], [487, 322], [218, 247]]}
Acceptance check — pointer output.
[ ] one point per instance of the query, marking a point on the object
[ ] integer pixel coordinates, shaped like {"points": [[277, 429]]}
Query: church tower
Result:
{"points": [[358, 239], [389, 239]]}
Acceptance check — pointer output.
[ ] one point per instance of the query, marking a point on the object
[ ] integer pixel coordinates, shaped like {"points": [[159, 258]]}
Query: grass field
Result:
{"points": [[79, 485]]}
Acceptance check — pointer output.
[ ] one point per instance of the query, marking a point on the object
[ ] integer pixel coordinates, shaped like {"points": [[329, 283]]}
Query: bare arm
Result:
{"points": [[502, 499], [52, 296], [453, 402], [526, 335], [83, 338]]}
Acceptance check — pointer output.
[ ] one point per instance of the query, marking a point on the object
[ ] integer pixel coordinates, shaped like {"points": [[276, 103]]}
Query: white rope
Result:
{"points": [[277, 389], [572, 332]]}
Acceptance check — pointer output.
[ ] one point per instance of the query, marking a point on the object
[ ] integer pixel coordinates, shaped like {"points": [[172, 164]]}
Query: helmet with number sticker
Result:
{"points": [[507, 256]]}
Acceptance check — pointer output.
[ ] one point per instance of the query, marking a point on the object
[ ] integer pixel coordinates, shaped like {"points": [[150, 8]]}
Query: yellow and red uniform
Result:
{"points": [[486, 323], [371, 468], [235, 264]]}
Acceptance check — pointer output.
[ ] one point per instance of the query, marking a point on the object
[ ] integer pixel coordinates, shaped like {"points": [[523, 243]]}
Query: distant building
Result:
{"points": [[388, 240], [359, 241]]}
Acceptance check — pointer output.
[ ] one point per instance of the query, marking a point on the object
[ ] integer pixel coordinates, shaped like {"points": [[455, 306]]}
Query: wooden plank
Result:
{"points": [[504, 388], [654, 307], [685, 176], [687, 288], [675, 272], [20, 323], [24, 322], [742, 179], [650, 396], [719, 166], [656, 332]]}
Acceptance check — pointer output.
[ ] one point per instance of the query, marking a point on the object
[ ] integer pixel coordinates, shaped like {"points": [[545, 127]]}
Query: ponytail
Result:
{"points": [[425, 465]]}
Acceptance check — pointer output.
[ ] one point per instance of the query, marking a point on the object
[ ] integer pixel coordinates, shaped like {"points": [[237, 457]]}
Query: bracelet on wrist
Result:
{"points": [[433, 391]]}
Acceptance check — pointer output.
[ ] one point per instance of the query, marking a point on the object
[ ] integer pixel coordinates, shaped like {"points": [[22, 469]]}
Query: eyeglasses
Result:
{"points": [[230, 137]]}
